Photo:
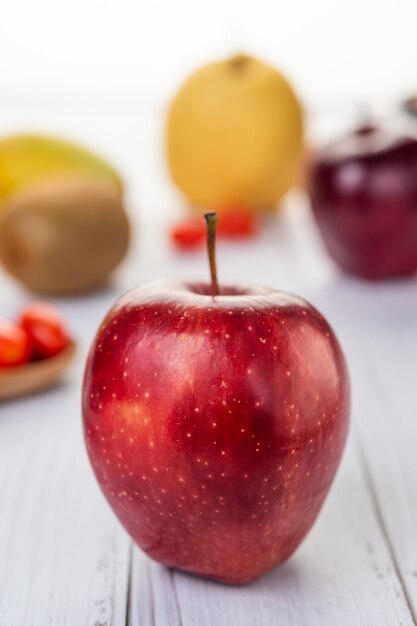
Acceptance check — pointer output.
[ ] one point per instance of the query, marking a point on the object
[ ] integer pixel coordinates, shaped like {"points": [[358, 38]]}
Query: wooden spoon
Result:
{"points": [[22, 379]]}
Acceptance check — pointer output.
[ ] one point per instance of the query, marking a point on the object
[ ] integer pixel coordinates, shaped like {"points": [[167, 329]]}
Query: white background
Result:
{"points": [[351, 51]]}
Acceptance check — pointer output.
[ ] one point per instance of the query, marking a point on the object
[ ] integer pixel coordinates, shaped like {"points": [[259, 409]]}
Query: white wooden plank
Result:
{"points": [[385, 382], [153, 598], [63, 557]]}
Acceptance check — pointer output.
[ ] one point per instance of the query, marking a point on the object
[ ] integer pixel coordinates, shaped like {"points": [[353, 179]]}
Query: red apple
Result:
{"points": [[215, 423], [363, 189]]}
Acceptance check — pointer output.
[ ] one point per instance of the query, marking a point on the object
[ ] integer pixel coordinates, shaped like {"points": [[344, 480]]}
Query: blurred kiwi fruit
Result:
{"points": [[28, 158], [63, 235]]}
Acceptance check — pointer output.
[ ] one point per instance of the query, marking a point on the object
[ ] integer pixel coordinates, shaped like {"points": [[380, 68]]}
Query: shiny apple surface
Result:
{"points": [[215, 425]]}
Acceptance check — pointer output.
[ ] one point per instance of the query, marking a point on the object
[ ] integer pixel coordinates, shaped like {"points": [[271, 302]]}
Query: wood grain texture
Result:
{"points": [[387, 426], [65, 560]]}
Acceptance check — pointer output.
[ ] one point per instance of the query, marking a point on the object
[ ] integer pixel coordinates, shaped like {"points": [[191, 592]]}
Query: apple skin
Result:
{"points": [[215, 425], [363, 192]]}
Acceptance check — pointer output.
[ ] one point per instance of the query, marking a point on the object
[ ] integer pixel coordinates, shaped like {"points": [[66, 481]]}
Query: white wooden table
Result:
{"points": [[64, 558]]}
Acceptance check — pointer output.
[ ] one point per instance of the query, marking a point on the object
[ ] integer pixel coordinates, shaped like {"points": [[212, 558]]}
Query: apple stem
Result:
{"points": [[211, 223]]}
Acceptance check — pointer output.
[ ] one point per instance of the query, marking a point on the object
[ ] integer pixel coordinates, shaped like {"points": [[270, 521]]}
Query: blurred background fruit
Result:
{"points": [[44, 323], [25, 159], [410, 106], [64, 235], [15, 347], [233, 223], [34, 351], [364, 195], [234, 136]]}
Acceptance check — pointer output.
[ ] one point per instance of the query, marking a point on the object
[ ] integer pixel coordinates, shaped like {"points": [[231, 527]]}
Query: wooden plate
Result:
{"points": [[22, 379]]}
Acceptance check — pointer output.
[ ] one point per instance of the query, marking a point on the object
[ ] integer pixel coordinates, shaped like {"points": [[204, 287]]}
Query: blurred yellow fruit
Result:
{"points": [[235, 135], [26, 159]]}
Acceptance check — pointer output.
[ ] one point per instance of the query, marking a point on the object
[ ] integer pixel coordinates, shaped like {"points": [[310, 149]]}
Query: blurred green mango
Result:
{"points": [[26, 159]]}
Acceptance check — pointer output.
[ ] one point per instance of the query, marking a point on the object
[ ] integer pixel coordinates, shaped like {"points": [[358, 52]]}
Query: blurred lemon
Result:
{"points": [[25, 159], [234, 135]]}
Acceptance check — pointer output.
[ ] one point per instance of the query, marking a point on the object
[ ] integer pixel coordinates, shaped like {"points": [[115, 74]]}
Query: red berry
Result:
{"points": [[189, 233], [236, 222], [14, 344], [45, 326]]}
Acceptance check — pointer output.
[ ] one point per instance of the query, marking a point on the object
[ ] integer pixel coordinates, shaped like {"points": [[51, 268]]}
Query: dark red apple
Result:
{"points": [[363, 190], [215, 423]]}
